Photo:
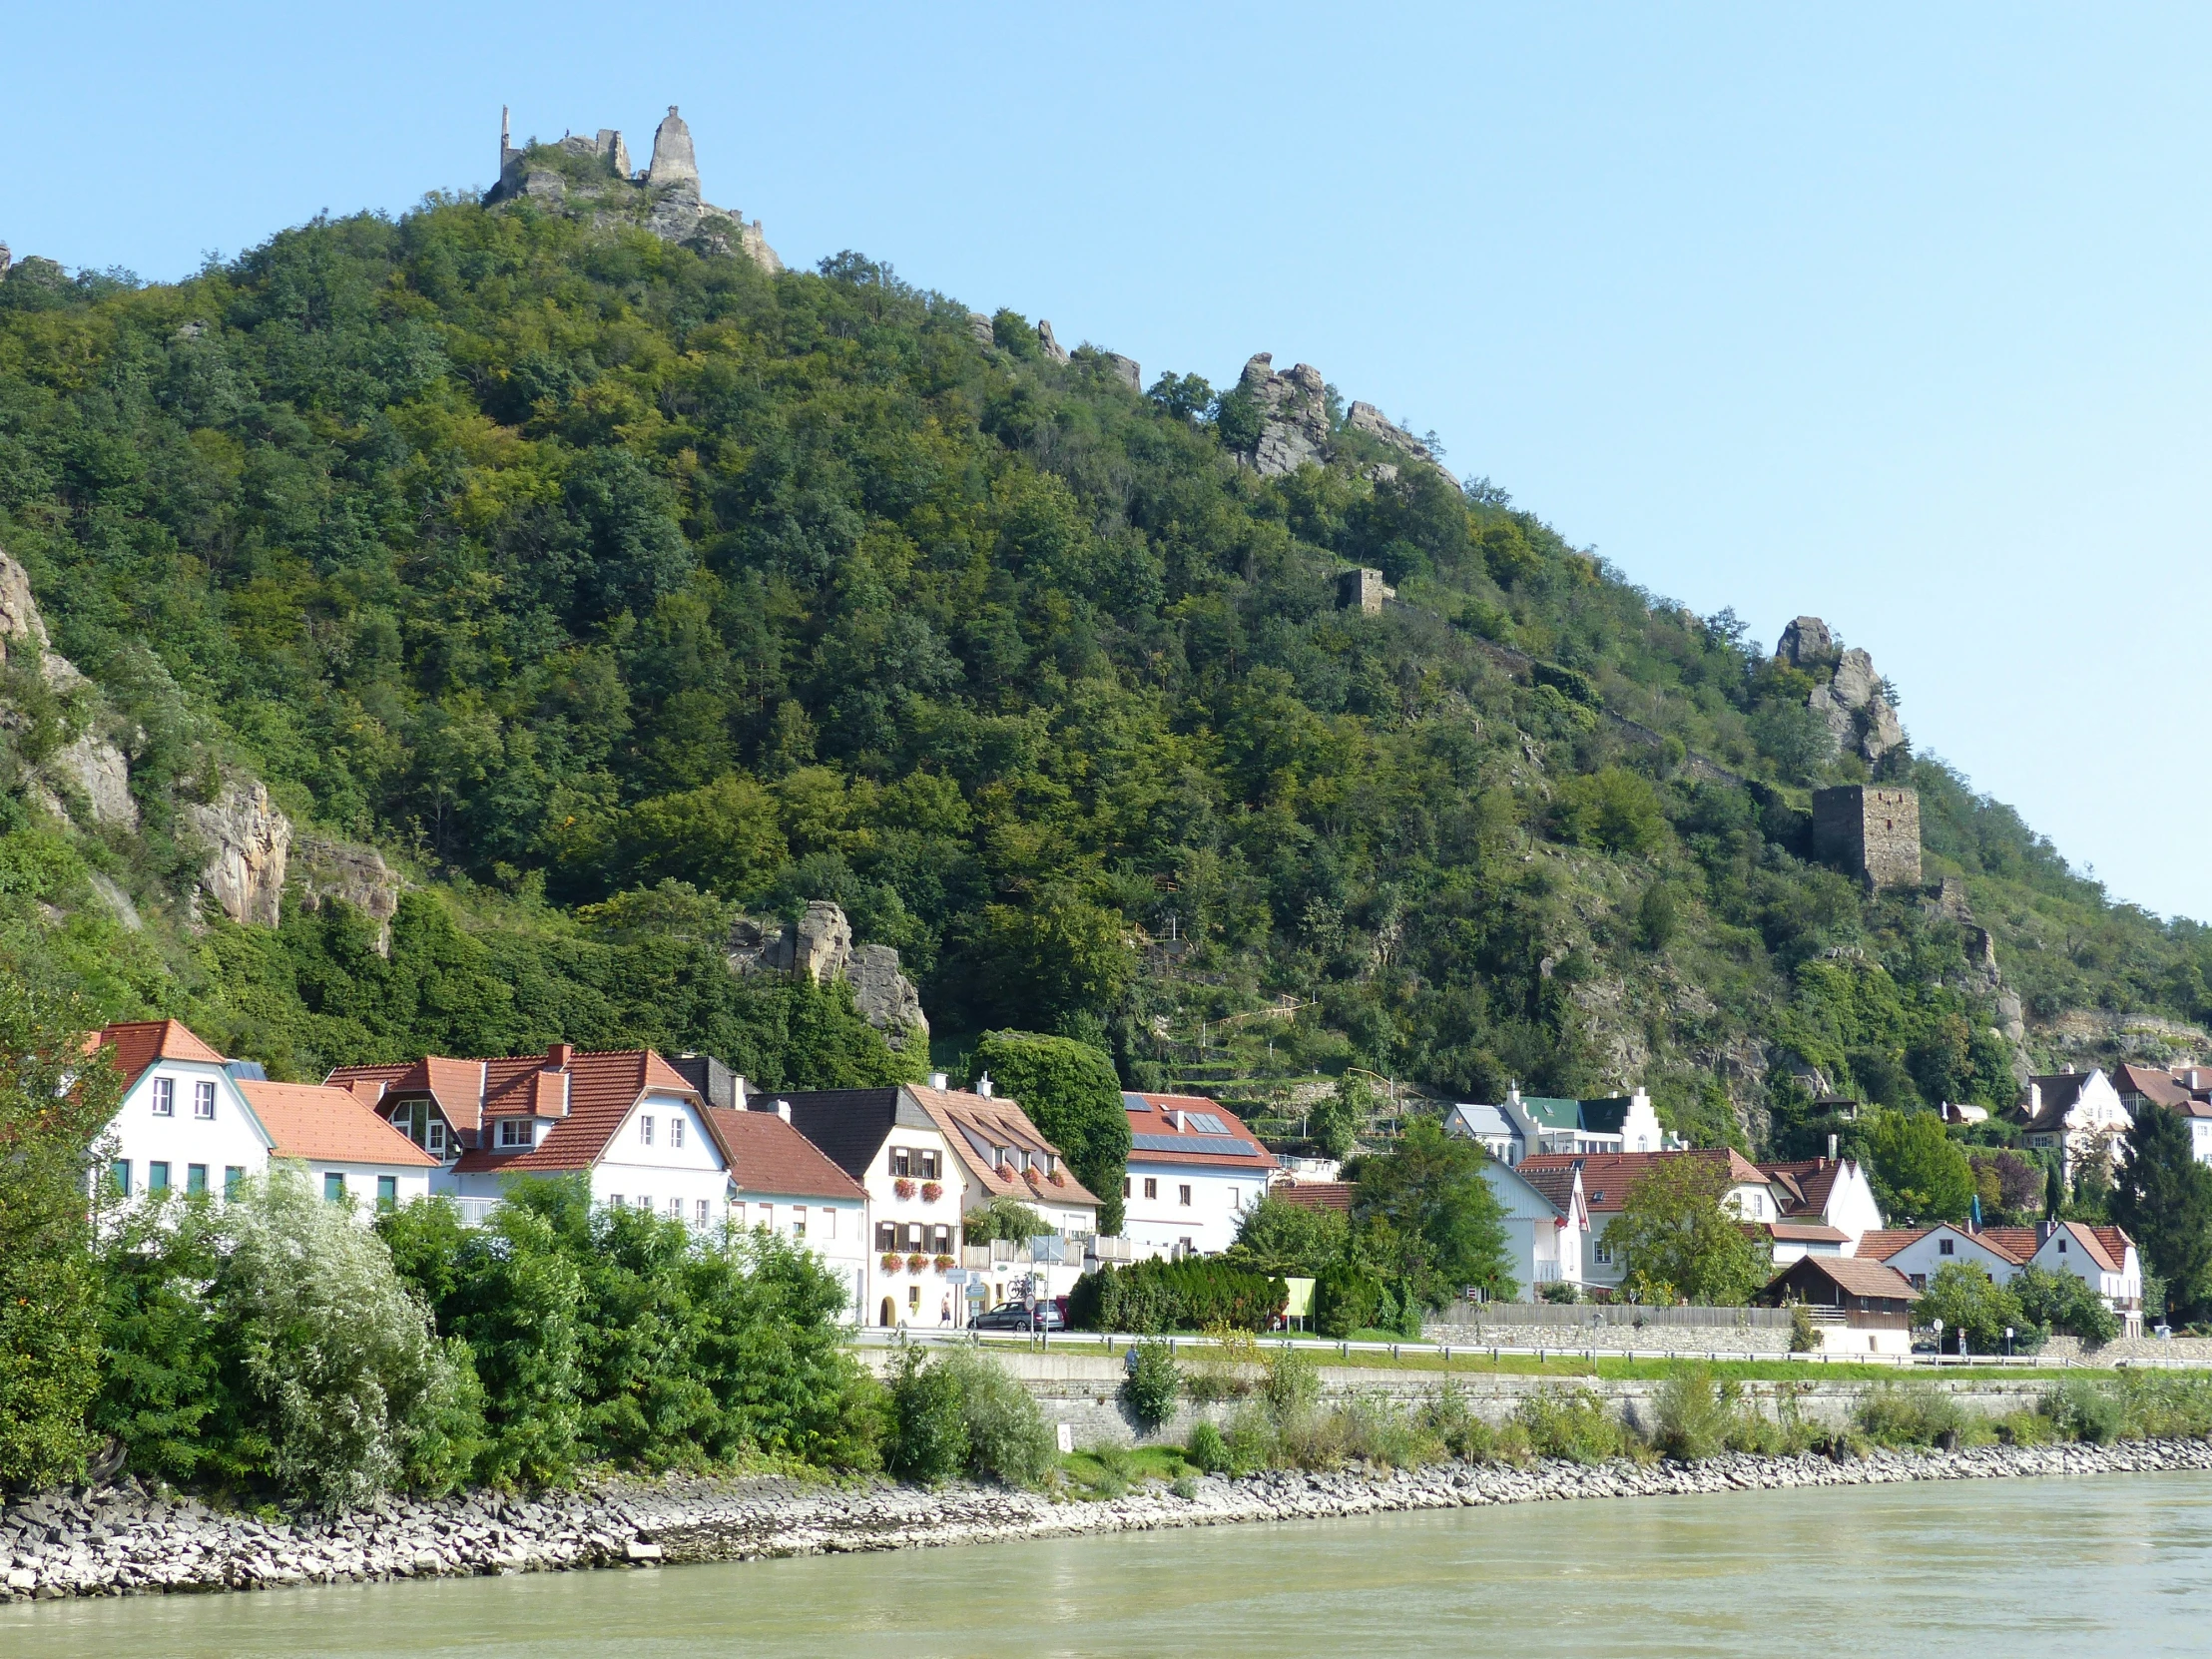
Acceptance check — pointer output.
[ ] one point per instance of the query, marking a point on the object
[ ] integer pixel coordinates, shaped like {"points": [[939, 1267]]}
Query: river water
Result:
{"points": [[2018, 1567]]}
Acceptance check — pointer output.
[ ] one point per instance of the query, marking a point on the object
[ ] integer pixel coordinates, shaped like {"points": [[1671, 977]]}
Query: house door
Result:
{"points": [[890, 1314]]}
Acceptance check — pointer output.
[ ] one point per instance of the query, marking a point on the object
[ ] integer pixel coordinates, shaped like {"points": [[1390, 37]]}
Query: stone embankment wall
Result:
{"points": [[122, 1542], [1583, 1326], [1083, 1390]]}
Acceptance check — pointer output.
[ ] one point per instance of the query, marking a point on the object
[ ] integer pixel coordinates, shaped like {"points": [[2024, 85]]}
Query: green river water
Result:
{"points": [[2118, 1564]]}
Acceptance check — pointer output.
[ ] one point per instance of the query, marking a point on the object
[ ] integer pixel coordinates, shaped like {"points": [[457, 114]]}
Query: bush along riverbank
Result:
{"points": [[983, 1470]]}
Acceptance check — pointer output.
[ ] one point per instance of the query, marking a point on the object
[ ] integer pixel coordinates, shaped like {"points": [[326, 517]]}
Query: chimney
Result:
{"points": [[2067, 1068], [558, 1056], [737, 1091], [984, 1085], [783, 1110], [940, 1081]]}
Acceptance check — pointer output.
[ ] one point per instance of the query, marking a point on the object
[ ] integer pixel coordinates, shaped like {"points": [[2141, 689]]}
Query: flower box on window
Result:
{"points": [[916, 1262], [1059, 1178], [891, 1261], [932, 1191], [944, 1263], [903, 1188]]}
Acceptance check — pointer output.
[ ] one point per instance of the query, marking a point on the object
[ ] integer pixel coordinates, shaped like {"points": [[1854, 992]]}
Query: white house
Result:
{"points": [[625, 1118], [1547, 1223], [2185, 1091], [2078, 1112], [1524, 1126], [782, 1182], [1194, 1170], [2102, 1257], [1608, 1176], [927, 1157], [192, 1121], [1832, 1193]]}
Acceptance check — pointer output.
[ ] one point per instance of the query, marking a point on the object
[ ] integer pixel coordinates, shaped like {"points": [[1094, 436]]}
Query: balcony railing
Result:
{"points": [[475, 1211]]}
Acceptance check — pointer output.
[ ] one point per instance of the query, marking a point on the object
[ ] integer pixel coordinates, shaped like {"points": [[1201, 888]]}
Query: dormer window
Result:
{"points": [[514, 1131], [165, 1097]]}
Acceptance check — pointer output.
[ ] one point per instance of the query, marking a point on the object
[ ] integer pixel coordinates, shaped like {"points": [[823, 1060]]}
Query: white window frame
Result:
{"points": [[165, 1097], [645, 1129], [203, 1101], [676, 1130], [515, 1132]]}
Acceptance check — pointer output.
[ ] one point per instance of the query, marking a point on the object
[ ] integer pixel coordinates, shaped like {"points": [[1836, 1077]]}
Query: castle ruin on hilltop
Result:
{"points": [[591, 175]]}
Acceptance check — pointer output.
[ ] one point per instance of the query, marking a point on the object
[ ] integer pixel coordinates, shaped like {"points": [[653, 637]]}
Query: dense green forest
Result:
{"points": [[610, 588]]}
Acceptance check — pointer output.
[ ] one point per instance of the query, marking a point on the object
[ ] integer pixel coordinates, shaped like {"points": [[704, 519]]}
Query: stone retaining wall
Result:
{"points": [[121, 1542]]}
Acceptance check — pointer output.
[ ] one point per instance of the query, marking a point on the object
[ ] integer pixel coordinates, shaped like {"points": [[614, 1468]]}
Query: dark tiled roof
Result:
{"points": [[850, 1126], [1554, 1185], [1854, 1276]]}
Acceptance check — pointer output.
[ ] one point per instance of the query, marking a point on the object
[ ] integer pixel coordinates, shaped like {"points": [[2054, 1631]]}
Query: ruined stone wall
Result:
{"points": [[1871, 831]]}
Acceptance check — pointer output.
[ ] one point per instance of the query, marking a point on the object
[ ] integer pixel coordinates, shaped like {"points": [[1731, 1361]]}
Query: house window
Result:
{"points": [[1602, 1252], [701, 1217], [928, 1164], [1943, 1247], [1151, 1187], [233, 1177], [645, 1130], [196, 1178], [1918, 1280], [119, 1177], [2061, 1246], [828, 1221], [434, 1136], [514, 1131], [944, 1242], [203, 1101], [156, 1179], [645, 1205], [1189, 1249], [674, 1208], [799, 1221], [676, 1131], [1125, 1186], [165, 1097], [887, 1237], [1182, 1194], [614, 1201], [334, 1187], [902, 1161], [913, 1299], [387, 1192]]}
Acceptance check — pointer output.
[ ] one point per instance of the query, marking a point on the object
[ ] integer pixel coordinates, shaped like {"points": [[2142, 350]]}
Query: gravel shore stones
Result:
{"points": [[122, 1541]]}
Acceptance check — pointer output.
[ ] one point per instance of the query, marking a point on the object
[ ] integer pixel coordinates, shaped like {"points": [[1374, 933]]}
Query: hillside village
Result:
{"points": [[553, 774]]}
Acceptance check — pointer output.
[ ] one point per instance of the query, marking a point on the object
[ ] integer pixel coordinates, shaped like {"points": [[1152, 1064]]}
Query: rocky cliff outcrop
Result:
{"points": [[1294, 416], [818, 946], [88, 776], [250, 846], [1851, 700], [324, 868]]}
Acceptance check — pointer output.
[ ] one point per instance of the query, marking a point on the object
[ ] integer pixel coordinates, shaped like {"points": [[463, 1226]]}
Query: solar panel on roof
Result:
{"points": [[1205, 1123], [1221, 1145]]}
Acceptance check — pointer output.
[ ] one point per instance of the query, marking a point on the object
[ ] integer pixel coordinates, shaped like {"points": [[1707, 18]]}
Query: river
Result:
{"points": [[2018, 1567]]}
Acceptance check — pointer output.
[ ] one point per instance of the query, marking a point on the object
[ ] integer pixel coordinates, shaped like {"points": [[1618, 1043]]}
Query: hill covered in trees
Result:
{"points": [[612, 589]]}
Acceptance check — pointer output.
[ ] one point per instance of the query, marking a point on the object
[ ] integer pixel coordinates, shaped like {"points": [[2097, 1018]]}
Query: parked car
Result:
{"points": [[1014, 1316]]}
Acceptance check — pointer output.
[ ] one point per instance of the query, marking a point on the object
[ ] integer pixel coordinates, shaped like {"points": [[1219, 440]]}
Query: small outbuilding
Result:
{"points": [[1857, 1306]]}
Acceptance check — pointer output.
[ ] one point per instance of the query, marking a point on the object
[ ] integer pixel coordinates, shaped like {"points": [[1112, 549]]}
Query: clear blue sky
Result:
{"points": [[1894, 319]]}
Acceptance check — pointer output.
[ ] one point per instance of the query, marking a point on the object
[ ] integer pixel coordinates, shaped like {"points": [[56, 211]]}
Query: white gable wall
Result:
{"points": [[1158, 1222], [231, 1139], [677, 1172]]}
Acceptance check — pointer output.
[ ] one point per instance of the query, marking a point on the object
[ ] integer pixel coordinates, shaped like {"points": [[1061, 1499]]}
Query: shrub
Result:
{"points": [[1804, 1336], [1153, 1384], [2165, 1405], [929, 1440], [1696, 1416], [1561, 1290], [2085, 1409], [2060, 1301], [337, 1389], [1572, 1424], [1147, 1298], [1913, 1413], [1227, 1368], [1346, 1296], [1208, 1449], [1007, 1437]]}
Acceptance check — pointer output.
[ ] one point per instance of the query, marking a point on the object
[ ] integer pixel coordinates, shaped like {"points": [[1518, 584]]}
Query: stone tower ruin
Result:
{"points": [[1872, 830]]}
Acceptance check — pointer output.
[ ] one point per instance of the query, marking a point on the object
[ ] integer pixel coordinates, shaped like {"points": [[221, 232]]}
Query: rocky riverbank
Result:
{"points": [[122, 1542]]}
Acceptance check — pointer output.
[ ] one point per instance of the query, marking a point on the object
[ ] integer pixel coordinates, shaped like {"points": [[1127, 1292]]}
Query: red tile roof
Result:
{"points": [[1807, 1182], [767, 1154], [1315, 1195], [1854, 1276], [311, 1120], [1154, 1117], [140, 1042], [998, 1121], [1607, 1175], [458, 1086], [1806, 1232], [1881, 1242]]}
